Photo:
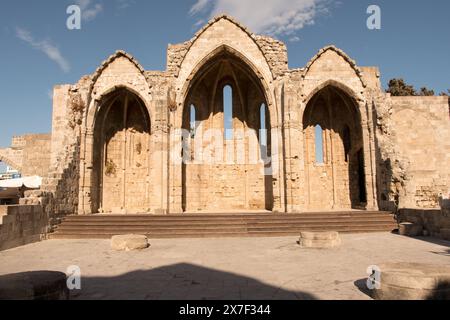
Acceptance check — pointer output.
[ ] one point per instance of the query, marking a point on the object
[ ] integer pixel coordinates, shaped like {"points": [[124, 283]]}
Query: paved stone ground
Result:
{"points": [[249, 268]]}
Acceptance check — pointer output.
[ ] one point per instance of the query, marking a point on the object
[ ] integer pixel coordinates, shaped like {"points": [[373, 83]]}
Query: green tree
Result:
{"points": [[398, 87], [424, 91]]}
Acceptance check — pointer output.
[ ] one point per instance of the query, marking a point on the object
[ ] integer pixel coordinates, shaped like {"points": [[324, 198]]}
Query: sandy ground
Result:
{"points": [[241, 268]]}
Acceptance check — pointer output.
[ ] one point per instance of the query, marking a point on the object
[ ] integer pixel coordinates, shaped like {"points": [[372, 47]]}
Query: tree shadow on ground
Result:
{"points": [[182, 282]]}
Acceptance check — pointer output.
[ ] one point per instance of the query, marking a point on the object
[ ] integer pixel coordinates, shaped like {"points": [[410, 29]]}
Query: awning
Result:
{"points": [[34, 182]]}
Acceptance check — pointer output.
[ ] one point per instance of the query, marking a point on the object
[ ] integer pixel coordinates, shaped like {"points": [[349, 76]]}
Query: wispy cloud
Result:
{"points": [[89, 9], [46, 47], [124, 4], [199, 6], [274, 17]]}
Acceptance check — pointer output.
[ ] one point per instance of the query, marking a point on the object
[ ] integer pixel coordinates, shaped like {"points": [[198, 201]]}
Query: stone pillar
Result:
{"points": [[369, 157], [159, 179], [175, 180], [86, 170]]}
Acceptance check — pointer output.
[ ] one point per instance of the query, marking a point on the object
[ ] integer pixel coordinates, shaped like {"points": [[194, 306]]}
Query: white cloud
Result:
{"points": [[199, 6], [89, 10], [44, 46], [274, 17], [199, 23]]}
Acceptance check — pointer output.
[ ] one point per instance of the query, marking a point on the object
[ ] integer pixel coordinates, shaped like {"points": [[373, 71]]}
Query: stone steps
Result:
{"points": [[221, 225], [213, 226]]}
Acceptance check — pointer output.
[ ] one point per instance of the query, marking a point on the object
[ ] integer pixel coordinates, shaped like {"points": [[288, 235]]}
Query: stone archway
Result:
{"points": [[334, 151], [226, 170], [121, 154]]}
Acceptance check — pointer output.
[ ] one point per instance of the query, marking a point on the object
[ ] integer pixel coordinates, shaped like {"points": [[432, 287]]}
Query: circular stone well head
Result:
{"points": [[413, 281], [36, 285], [319, 240]]}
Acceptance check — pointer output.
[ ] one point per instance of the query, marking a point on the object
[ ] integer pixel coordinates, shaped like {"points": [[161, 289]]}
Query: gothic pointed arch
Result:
{"points": [[341, 175], [332, 49], [233, 175], [121, 154]]}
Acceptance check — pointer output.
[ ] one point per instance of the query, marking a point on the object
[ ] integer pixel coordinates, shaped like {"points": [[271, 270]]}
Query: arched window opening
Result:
{"points": [[263, 131], [319, 144], [228, 112], [193, 121]]}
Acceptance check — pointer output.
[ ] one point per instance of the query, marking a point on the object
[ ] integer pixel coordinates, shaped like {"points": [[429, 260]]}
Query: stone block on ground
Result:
{"points": [[410, 229], [413, 281], [319, 240], [36, 285], [129, 242]]}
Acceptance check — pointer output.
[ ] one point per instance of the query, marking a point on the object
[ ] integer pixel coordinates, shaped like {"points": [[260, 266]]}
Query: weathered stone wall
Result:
{"points": [[29, 154], [36, 155], [60, 192], [435, 222], [414, 142], [276, 54], [22, 224], [13, 157]]}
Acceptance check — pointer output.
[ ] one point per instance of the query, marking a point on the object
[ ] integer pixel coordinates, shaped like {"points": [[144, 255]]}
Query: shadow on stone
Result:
{"points": [[361, 284], [442, 291], [182, 282]]}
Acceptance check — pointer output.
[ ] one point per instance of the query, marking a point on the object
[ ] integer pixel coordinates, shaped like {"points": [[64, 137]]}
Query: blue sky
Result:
{"points": [[38, 51]]}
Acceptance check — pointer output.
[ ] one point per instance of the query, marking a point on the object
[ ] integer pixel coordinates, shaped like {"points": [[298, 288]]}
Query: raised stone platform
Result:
{"points": [[222, 225], [37, 285], [319, 240], [413, 281]]}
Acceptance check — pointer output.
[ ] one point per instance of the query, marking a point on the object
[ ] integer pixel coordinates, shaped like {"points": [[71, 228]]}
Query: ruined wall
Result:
{"points": [[392, 174], [59, 193], [435, 222], [414, 141], [36, 155], [29, 154], [12, 157], [20, 225], [276, 54]]}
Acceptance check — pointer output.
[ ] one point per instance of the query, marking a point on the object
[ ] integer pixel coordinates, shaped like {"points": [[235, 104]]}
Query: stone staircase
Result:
{"points": [[222, 225]]}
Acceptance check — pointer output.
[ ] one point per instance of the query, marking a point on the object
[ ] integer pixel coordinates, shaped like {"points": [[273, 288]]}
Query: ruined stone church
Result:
{"points": [[327, 137]]}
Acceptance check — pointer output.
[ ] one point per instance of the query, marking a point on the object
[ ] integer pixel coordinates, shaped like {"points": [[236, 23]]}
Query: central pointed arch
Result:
{"points": [[236, 176], [225, 50]]}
